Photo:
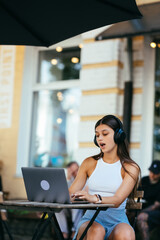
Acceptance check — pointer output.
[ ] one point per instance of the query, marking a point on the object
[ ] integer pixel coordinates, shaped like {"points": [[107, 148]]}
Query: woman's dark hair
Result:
{"points": [[122, 150]]}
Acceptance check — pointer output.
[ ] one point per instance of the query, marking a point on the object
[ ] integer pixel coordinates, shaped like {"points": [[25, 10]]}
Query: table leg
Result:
{"points": [[56, 227], [7, 230], [90, 223], [1, 230], [38, 230]]}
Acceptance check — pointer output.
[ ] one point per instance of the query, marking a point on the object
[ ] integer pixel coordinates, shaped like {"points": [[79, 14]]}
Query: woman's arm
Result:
{"points": [[123, 191], [81, 178]]}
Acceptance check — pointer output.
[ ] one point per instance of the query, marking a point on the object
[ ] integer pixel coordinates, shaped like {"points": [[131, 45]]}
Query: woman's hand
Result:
{"points": [[83, 195]]}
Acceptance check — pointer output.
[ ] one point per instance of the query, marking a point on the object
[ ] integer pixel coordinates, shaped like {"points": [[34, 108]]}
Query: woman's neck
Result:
{"points": [[110, 158]]}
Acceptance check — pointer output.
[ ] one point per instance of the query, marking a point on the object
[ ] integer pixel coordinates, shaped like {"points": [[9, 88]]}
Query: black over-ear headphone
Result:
{"points": [[119, 134]]}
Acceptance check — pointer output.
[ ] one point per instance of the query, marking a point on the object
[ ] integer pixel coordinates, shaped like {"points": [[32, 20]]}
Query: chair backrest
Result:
{"points": [[136, 203], [133, 207]]}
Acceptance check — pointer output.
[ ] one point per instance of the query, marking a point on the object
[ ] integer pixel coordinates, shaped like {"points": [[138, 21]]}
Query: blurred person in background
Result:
{"points": [[149, 217], [71, 172]]}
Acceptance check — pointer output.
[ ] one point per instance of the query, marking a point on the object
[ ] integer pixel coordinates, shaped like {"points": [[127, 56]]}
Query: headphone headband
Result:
{"points": [[119, 134], [116, 118]]}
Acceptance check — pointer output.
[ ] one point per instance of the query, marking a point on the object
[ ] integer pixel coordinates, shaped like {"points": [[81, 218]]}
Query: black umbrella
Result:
{"points": [[45, 22]]}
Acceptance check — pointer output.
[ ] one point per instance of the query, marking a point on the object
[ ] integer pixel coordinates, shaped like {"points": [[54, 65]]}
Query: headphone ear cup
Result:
{"points": [[119, 135], [95, 141]]}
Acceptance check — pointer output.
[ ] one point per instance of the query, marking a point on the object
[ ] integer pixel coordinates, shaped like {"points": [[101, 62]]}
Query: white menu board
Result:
{"points": [[7, 67]]}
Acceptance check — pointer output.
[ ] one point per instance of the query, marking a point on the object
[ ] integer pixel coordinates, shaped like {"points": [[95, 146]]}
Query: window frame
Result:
{"points": [[29, 88]]}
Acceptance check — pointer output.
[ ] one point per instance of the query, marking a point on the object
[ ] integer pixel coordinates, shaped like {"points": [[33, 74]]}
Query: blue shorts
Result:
{"points": [[108, 219]]}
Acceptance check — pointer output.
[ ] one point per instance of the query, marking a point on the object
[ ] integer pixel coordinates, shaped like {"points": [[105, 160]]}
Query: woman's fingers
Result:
{"points": [[82, 195]]}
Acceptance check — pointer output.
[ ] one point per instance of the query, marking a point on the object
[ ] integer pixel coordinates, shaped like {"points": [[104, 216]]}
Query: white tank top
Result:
{"points": [[106, 179]]}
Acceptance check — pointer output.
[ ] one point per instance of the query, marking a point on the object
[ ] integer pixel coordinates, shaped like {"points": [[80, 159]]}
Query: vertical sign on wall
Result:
{"points": [[7, 62]]}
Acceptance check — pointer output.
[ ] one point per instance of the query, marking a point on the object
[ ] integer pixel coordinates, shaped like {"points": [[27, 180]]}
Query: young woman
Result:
{"points": [[111, 177]]}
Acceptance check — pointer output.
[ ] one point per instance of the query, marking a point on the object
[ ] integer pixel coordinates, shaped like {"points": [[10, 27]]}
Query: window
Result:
{"points": [[54, 138], [55, 132], [57, 66], [156, 139]]}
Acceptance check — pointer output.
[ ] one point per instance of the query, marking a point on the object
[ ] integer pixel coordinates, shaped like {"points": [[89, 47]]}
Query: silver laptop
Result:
{"points": [[46, 185]]}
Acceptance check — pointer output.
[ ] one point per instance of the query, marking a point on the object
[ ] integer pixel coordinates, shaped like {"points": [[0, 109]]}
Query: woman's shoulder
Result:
{"points": [[89, 160], [88, 163]]}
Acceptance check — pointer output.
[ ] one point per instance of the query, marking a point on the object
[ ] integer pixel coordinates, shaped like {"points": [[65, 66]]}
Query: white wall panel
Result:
{"points": [[120, 78], [135, 155], [137, 104], [136, 131], [119, 107], [138, 77], [99, 78], [86, 131], [98, 104], [98, 52]]}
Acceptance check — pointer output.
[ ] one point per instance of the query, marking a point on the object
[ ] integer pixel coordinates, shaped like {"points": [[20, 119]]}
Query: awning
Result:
{"points": [[149, 24]]}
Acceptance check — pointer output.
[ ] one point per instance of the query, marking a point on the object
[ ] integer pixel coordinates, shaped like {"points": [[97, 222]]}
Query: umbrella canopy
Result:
{"points": [[43, 23]]}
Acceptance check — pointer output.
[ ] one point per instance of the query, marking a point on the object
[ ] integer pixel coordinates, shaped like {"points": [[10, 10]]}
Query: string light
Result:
{"points": [[59, 120], [60, 96], [80, 45], [71, 111], [59, 49], [54, 61], [153, 45], [74, 60]]}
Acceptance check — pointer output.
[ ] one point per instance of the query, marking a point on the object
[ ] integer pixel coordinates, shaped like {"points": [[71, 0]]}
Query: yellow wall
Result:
{"points": [[9, 136], [141, 2]]}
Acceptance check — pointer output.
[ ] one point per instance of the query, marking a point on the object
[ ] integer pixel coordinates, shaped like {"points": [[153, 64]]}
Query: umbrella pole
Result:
{"points": [[128, 92]]}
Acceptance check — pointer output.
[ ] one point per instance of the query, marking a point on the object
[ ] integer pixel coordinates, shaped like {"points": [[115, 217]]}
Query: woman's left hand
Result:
{"points": [[85, 196]]}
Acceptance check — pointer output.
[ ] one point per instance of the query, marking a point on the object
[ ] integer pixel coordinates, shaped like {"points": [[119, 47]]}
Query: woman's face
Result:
{"points": [[105, 138]]}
